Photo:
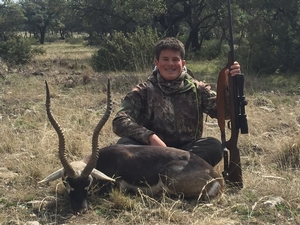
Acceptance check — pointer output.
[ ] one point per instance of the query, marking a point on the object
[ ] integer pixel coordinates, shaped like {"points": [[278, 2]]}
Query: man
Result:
{"points": [[167, 109]]}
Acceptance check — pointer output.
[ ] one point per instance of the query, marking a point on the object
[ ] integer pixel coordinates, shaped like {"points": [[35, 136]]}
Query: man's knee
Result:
{"points": [[216, 150], [215, 144], [210, 149], [128, 141]]}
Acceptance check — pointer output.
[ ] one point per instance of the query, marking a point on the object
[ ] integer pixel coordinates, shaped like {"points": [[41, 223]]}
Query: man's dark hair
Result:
{"points": [[169, 43]]}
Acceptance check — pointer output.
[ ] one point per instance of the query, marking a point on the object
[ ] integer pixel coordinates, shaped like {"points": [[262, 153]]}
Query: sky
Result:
{"points": [[13, 1]]}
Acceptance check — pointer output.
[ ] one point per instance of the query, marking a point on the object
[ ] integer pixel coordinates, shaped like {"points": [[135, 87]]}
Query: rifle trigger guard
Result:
{"points": [[229, 125]]}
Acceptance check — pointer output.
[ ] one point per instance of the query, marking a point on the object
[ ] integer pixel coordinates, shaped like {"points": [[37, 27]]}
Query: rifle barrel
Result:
{"points": [[231, 44]]}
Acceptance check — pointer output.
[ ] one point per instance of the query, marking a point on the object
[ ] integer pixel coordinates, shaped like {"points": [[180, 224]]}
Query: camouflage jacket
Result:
{"points": [[173, 110]]}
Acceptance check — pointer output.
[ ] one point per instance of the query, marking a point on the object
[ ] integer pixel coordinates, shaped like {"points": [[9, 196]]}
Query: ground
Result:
{"points": [[28, 148]]}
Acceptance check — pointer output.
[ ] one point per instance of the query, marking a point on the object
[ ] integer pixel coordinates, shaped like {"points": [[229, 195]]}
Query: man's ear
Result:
{"points": [[156, 62]]}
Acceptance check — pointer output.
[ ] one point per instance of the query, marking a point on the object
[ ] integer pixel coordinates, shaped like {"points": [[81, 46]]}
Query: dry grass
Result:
{"points": [[28, 152]]}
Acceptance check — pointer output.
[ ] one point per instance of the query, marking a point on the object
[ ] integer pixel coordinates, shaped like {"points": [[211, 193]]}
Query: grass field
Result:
{"points": [[270, 153]]}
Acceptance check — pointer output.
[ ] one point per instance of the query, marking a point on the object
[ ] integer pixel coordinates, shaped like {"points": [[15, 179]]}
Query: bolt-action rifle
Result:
{"points": [[238, 121]]}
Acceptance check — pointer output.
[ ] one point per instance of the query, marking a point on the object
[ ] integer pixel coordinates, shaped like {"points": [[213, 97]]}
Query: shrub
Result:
{"points": [[16, 50], [51, 38], [75, 40], [212, 49], [130, 52]]}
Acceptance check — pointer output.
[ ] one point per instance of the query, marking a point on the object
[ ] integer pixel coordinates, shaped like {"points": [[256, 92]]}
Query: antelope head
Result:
{"points": [[78, 176]]}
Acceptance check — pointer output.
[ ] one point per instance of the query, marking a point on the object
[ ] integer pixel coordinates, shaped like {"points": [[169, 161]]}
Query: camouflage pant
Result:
{"points": [[209, 148]]}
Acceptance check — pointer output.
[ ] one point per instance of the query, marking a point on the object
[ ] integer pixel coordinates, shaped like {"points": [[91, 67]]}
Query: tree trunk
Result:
{"points": [[194, 40], [42, 35]]}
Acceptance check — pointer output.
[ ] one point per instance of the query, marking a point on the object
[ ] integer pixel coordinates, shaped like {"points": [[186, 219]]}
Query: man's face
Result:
{"points": [[169, 64]]}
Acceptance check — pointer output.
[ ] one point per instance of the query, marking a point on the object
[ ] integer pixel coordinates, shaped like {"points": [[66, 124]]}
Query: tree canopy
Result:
{"points": [[266, 32]]}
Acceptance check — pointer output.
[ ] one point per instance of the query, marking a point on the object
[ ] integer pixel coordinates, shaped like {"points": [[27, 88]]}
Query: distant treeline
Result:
{"points": [[266, 33]]}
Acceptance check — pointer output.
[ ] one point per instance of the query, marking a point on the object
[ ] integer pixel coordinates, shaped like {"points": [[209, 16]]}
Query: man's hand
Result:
{"points": [[156, 141], [234, 69]]}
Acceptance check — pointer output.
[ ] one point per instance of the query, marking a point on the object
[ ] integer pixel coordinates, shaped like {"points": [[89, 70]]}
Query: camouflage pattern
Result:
{"points": [[173, 110]]}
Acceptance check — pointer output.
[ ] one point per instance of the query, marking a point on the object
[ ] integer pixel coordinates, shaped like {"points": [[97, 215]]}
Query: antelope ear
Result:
{"points": [[99, 175], [53, 176]]}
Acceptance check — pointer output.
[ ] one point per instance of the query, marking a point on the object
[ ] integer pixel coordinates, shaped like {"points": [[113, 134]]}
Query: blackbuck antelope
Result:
{"points": [[150, 169]]}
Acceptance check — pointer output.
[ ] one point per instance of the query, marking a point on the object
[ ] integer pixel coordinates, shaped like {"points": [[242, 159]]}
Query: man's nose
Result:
{"points": [[170, 62]]}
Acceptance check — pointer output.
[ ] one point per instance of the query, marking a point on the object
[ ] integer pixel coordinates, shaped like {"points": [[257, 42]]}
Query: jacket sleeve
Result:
{"points": [[209, 101], [128, 121]]}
